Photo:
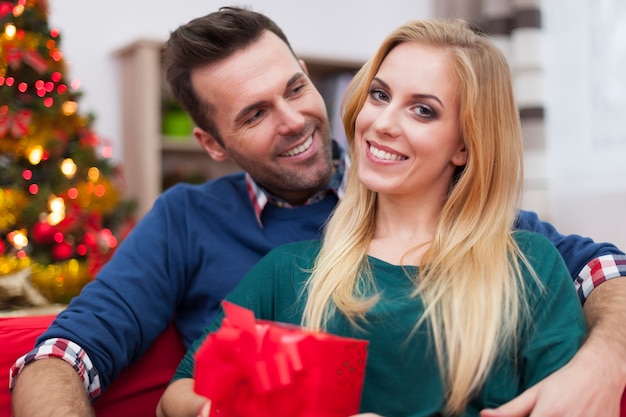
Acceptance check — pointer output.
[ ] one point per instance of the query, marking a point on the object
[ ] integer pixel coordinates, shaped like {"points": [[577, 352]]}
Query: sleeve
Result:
{"points": [[187, 365], [557, 325], [186, 368], [67, 351], [589, 263], [257, 292], [108, 319]]}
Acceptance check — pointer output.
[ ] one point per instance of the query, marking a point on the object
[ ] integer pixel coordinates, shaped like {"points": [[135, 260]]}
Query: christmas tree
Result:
{"points": [[61, 214]]}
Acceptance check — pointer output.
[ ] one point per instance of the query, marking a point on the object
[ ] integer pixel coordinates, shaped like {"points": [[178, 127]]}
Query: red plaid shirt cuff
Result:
{"points": [[597, 271], [68, 351]]}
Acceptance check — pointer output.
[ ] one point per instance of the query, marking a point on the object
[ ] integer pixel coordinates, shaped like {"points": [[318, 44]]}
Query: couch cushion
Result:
{"points": [[135, 393], [17, 336]]}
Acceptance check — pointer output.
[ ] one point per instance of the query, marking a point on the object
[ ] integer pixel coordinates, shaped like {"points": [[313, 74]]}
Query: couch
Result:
{"points": [[134, 394]]}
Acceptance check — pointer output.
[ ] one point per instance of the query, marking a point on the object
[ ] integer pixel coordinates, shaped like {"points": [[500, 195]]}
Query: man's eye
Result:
{"points": [[297, 89], [255, 116]]}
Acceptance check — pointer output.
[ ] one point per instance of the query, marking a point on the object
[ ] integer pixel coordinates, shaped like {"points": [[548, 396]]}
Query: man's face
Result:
{"points": [[271, 118]]}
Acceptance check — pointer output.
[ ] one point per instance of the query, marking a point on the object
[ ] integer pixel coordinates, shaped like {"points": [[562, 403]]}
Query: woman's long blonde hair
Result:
{"points": [[470, 277]]}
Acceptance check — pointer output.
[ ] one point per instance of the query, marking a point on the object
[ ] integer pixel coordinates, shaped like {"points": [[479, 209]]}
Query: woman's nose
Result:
{"points": [[387, 122]]}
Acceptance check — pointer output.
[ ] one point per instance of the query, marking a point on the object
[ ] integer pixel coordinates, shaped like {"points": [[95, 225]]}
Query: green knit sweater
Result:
{"points": [[402, 377]]}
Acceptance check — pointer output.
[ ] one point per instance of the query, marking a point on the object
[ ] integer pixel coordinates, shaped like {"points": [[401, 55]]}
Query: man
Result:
{"points": [[252, 102]]}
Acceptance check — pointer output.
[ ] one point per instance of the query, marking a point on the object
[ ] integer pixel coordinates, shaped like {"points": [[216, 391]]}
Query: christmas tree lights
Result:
{"points": [[61, 213]]}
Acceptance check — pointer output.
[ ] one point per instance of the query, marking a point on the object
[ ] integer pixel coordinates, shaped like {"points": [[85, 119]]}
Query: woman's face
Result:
{"points": [[406, 134]]}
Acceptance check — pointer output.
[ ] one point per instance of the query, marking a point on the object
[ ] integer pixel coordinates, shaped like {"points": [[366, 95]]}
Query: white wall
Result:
{"points": [[92, 30], [586, 117]]}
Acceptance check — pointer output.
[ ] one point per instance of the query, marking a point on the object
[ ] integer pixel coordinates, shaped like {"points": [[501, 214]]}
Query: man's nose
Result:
{"points": [[290, 119]]}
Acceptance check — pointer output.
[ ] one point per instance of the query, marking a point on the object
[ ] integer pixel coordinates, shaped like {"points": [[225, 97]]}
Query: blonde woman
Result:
{"points": [[420, 257]]}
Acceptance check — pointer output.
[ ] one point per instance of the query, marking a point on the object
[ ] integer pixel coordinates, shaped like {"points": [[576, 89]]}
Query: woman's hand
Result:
{"points": [[180, 400], [367, 415], [205, 410]]}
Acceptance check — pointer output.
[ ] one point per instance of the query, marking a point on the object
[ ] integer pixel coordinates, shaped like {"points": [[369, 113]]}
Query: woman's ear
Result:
{"points": [[210, 145], [460, 156]]}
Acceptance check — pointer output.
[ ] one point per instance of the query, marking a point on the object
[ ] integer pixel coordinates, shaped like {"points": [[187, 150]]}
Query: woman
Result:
{"points": [[420, 257]]}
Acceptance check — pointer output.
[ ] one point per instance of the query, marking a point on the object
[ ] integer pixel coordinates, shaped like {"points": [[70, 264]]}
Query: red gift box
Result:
{"points": [[259, 368]]}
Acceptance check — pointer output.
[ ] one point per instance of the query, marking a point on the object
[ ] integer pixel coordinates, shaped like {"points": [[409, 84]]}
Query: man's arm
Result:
{"points": [[115, 318], [592, 383], [33, 386], [577, 251]]}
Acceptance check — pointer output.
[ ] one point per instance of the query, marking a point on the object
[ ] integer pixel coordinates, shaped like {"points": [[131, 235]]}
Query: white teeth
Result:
{"points": [[380, 154], [295, 151]]}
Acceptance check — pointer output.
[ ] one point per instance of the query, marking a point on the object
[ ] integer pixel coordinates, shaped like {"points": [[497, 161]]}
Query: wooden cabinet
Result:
{"points": [[152, 161]]}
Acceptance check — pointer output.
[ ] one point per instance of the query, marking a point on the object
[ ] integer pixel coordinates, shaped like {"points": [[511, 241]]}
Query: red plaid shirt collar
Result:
{"points": [[260, 197]]}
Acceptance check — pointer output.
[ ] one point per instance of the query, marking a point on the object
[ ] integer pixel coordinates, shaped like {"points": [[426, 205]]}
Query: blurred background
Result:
{"points": [[568, 59]]}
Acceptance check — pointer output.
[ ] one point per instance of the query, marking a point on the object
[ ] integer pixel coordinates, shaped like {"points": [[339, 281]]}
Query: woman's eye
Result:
{"points": [[378, 95], [424, 111]]}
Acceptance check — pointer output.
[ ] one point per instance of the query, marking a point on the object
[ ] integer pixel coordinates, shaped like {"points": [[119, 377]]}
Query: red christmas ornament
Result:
{"points": [[62, 251], [90, 238], [43, 232], [69, 223], [5, 8]]}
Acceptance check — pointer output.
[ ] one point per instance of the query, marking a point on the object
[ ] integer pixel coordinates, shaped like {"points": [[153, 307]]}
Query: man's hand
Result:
{"points": [[575, 390], [592, 383], [50, 388]]}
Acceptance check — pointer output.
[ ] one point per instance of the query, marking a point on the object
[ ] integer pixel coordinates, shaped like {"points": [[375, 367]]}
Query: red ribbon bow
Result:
{"points": [[258, 368], [16, 123], [15, 56]]}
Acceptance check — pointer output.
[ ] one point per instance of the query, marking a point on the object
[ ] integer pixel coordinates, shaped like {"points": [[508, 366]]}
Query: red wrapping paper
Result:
{"points": [[258, 368]]}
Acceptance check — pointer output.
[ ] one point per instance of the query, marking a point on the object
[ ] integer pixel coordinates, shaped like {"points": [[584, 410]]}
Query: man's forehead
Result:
{"points": [[249, 77], [268, 50]]}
